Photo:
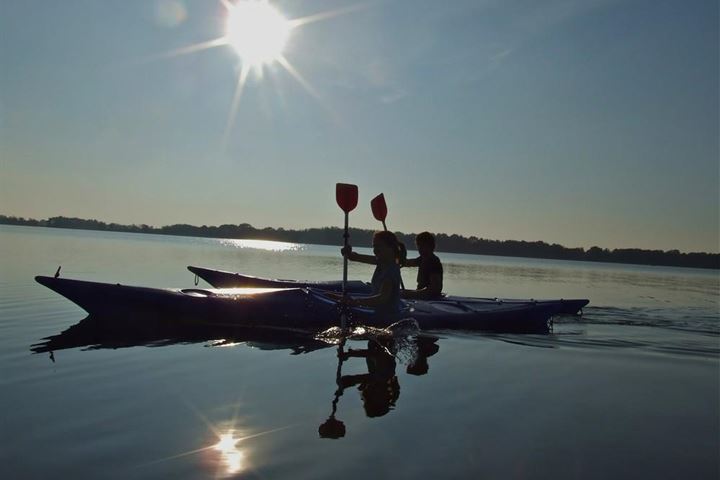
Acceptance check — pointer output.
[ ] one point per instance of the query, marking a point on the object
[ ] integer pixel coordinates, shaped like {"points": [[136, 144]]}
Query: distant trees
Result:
{"points": [[445, 243]]}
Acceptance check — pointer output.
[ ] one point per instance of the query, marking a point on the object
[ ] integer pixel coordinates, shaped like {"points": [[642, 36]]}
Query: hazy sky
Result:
{"points": [[588, 122]]}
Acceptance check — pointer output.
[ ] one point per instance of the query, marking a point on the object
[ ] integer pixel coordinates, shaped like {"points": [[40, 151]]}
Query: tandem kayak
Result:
{"points": [[223, 279], [288, 308]]}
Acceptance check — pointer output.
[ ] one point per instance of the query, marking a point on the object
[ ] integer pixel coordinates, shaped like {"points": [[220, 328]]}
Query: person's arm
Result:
{"points": [[433, 290], [347, 381], [411, 262], [372, 301], [358, 257]]}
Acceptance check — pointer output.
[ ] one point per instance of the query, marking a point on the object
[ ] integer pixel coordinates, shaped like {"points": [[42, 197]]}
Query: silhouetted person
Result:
{"points": [[386, 278], [430, 269]]}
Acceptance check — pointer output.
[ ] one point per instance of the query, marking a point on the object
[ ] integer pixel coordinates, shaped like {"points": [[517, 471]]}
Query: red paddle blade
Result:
{"points": [[346, 196], [379, 207]]}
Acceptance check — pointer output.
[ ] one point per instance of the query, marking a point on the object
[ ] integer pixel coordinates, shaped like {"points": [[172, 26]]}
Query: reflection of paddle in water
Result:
{"points": [[332, 427], [379, 388]]}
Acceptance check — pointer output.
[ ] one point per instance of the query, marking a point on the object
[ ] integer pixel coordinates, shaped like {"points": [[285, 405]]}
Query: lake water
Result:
{"points": [[629, 390]]}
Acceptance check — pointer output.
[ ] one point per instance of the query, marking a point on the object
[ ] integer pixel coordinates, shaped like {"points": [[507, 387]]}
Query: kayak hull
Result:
{"points": [[286, 308], [224, 279]]}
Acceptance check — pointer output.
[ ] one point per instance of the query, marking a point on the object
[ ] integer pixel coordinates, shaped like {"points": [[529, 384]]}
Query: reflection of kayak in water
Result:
{"points": [[295, 308], [94, 333], [223, 279]]}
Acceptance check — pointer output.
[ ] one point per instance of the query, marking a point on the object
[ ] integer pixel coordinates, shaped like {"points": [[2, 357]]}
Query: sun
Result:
{"points": [[256, 31], [259, 33]]}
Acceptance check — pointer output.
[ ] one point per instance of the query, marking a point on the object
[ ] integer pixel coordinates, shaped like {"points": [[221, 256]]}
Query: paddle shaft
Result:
{"points": [[346, 242], [346, 237]]}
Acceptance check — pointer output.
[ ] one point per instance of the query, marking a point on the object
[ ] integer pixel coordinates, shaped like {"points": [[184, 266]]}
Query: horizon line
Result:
{"points": [[3, 216]]}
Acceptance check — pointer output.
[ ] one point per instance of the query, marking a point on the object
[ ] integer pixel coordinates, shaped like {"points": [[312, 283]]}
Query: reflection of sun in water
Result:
{"points": [[269, 245], [225, 457], [259, 33], [232, 456]]}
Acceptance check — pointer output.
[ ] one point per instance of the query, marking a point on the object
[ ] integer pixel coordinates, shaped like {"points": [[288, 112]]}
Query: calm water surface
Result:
{"points": [[630, 390]]}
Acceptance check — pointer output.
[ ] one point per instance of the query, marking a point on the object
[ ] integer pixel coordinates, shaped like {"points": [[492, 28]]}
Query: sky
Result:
{"points": [[582, 123]]}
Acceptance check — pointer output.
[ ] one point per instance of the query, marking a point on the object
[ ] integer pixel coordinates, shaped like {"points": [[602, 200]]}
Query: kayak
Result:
{"points": [[224, 279], [288, 308]]}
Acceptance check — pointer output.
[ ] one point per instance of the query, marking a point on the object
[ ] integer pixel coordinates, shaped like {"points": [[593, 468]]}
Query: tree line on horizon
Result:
{"points": [[363, 238]]}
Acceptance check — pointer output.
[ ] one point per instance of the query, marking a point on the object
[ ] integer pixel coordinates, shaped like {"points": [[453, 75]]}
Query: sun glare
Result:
{"points": [[257, 32]]}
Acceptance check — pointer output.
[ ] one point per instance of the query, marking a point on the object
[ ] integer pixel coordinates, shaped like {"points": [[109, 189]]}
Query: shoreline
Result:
{"points": [[155, 231]]}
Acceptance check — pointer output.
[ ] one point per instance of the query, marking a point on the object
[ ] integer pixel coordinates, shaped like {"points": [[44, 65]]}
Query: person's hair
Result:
{"points": [[389, 239], [426, 238]]}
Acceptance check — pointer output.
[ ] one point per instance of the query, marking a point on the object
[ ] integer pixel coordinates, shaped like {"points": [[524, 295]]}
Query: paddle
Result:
{"points": [[346, 196], [379, 210]]}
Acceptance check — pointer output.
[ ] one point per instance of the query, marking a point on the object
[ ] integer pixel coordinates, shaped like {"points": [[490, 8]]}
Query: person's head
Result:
{"points": [[425, 243], [385, 246]]}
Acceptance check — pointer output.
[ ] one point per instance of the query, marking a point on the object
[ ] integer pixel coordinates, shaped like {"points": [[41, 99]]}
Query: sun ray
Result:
{"points": [[282, 60], [278, 91], [197, 47], [242, 78], [202, 417], [299, 22]]}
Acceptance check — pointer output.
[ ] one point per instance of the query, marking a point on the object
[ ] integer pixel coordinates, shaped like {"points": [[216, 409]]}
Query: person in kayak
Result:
{"points": [[430, 269], [386, 278]]}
